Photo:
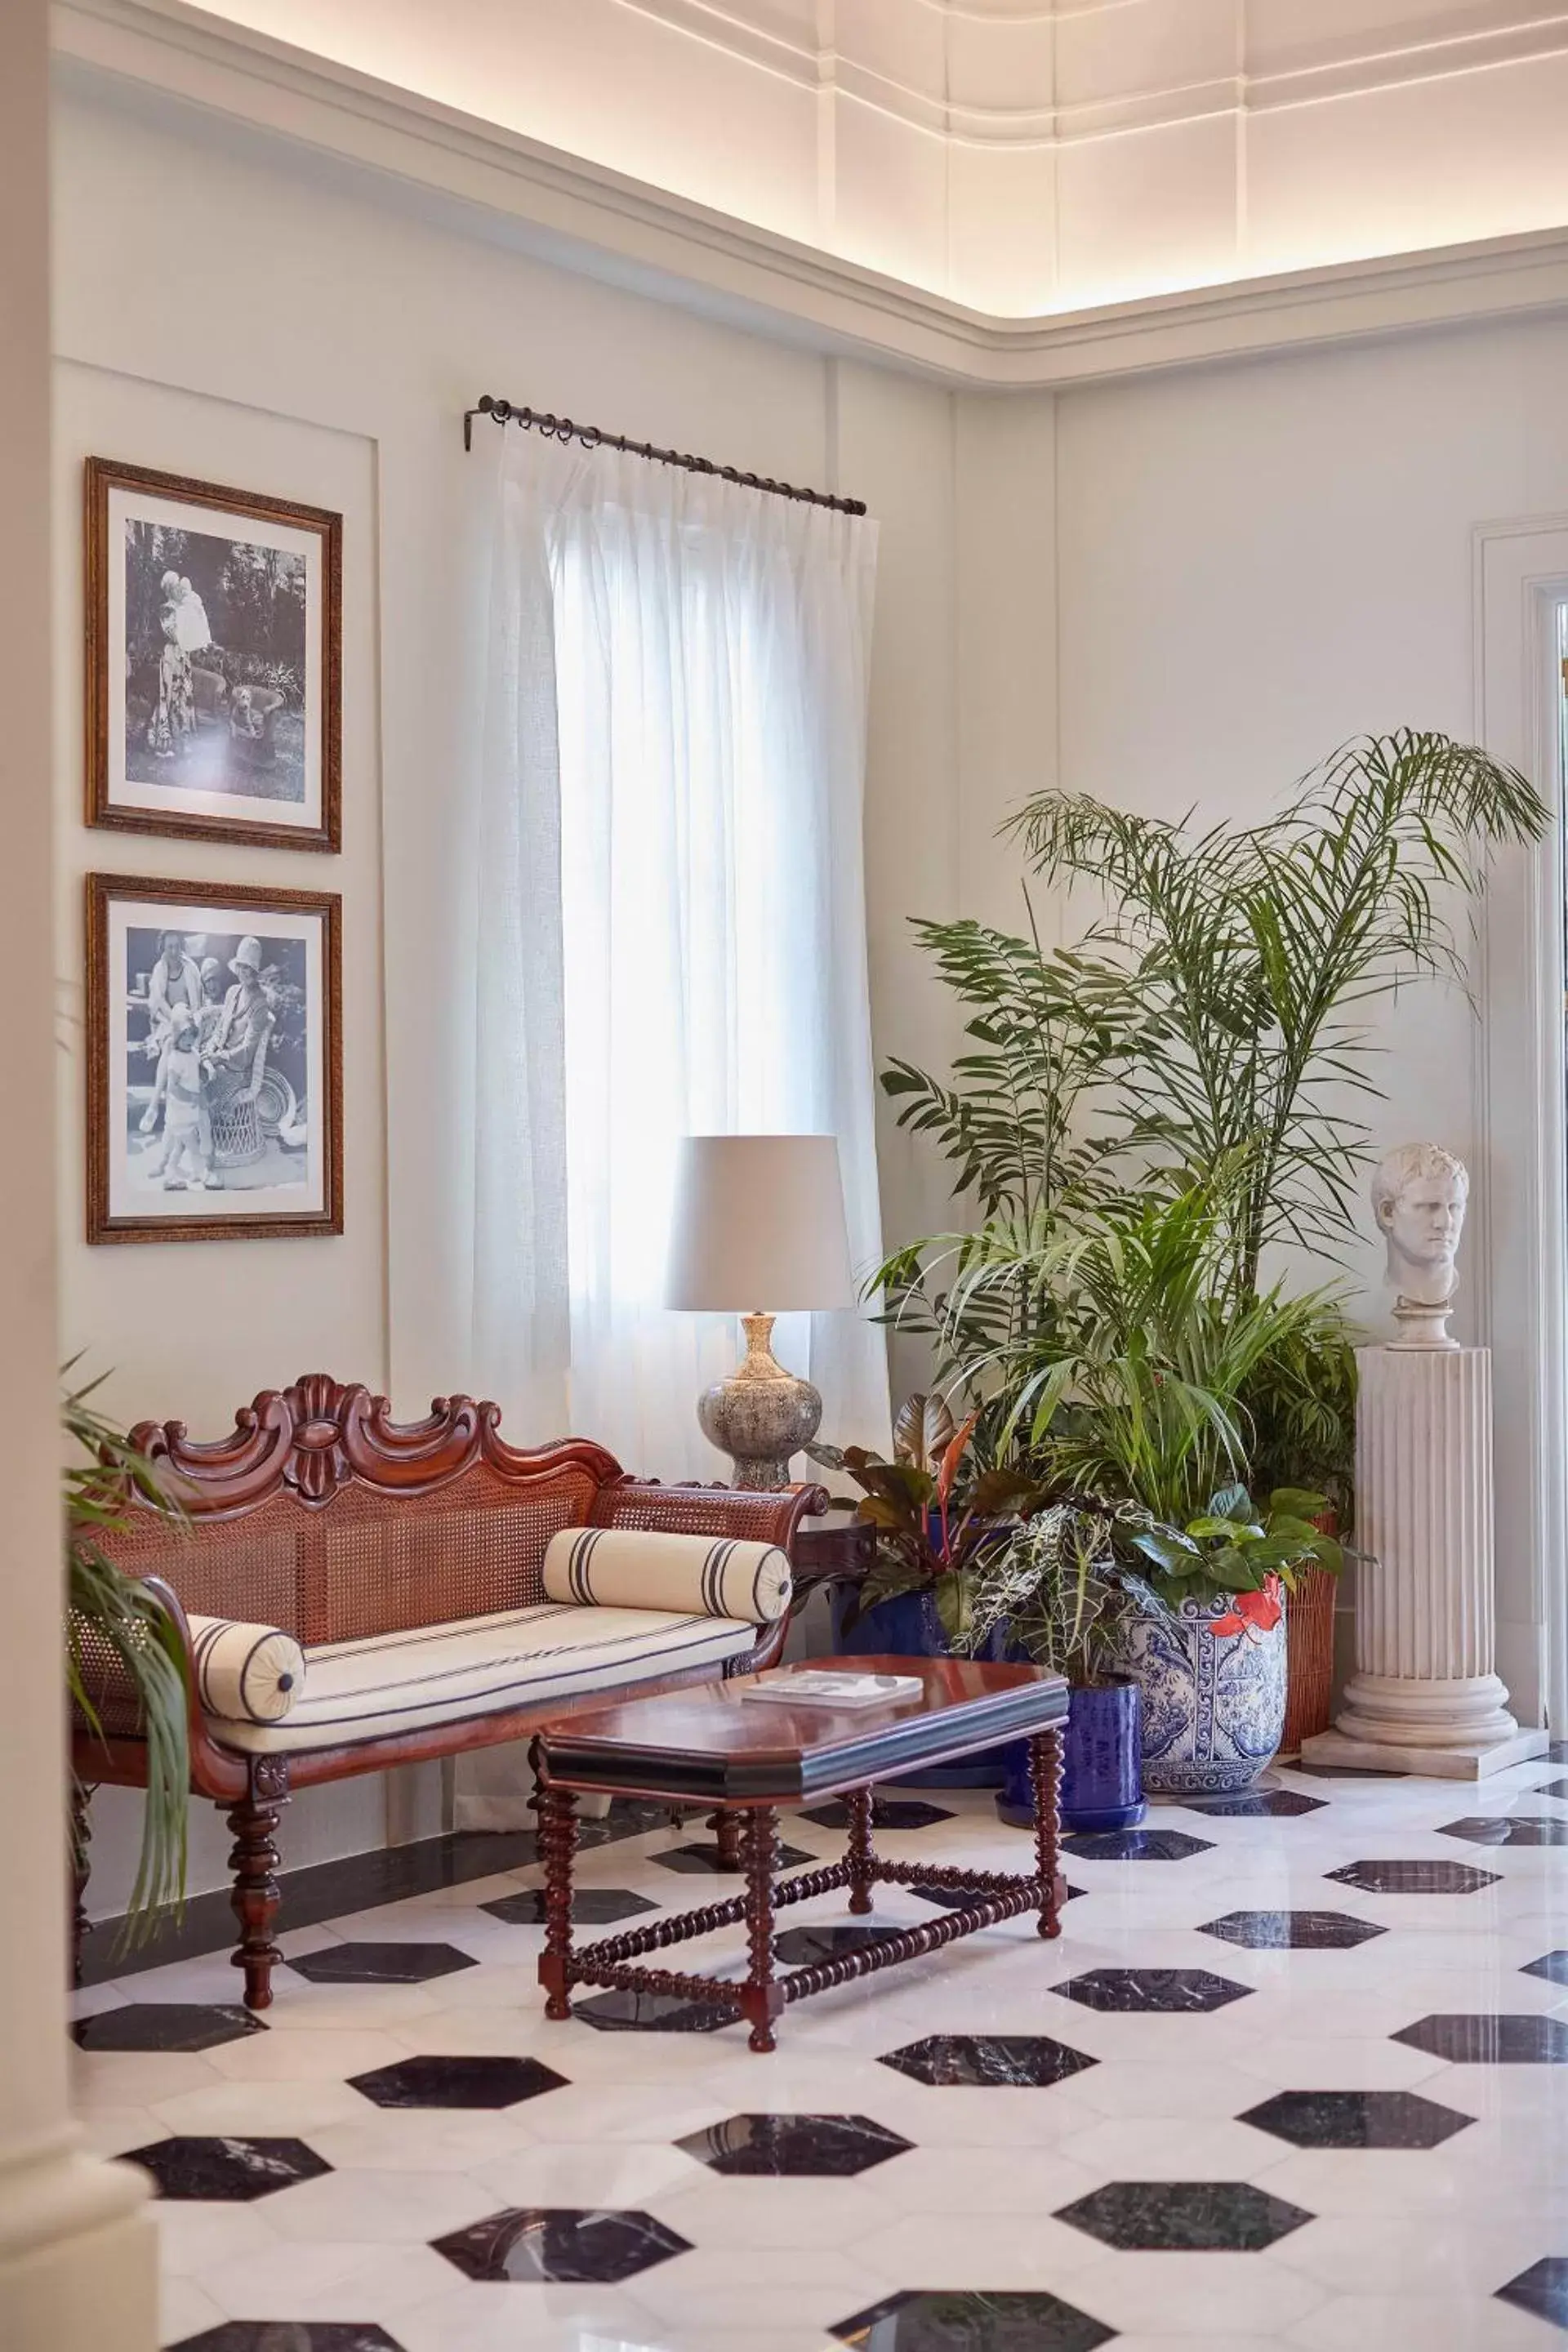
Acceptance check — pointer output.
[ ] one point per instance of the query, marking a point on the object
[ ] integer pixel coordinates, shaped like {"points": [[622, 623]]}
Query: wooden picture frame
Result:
{"points": [[214, 750], [213, 1061]]}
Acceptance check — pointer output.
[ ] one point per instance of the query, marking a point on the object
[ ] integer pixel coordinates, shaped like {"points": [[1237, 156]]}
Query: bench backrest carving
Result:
{"points": [[320, 1514]]}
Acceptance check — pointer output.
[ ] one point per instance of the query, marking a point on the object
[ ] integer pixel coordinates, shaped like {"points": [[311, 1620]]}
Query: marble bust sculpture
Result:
{"points": [[1419, 1196]]}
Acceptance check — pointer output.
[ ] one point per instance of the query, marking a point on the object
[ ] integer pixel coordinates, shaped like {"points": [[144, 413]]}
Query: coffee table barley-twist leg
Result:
{"points": [[861, 1857], [558, 1840], [1046, 1785], [760, 1999]]}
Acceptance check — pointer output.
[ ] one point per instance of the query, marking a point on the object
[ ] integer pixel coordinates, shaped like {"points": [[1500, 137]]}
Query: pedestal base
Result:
{"points": [[1458, 1762]]}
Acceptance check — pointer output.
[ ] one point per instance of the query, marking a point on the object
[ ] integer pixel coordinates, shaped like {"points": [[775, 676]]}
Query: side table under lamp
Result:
{"points": [[759, 1218]]}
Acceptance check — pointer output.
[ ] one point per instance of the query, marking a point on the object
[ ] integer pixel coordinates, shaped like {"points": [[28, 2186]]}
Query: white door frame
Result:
{"points": [[1521, 1205]]}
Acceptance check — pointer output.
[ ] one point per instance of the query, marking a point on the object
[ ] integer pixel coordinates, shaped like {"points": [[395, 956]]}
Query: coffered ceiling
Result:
{"points": [[1018, 158]]}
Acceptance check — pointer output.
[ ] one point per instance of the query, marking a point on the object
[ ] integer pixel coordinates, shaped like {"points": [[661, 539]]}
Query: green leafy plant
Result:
{"points": [[1053, 1585], [932, 1523], [116, 1630], [1233, 1548], [1126, 1384], [1256, 952]]}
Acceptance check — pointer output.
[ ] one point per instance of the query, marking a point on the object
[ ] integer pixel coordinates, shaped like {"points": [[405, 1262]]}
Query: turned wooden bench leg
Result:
{"points": [[1045, 1787], [255, 1898], [81, 1870], [761, 1999], [558, 1842], [861, 1857]]}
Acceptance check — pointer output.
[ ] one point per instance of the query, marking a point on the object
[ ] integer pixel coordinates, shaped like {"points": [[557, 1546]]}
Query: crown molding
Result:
{"points": [[175, 63]]}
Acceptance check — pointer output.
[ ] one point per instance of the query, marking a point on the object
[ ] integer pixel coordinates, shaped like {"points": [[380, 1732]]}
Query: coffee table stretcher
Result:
{"points": [[767, 1991]]}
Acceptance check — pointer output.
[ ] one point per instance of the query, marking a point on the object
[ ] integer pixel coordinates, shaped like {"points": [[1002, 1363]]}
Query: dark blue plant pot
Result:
{"points": [[907, 1626], [1102, 1785]]}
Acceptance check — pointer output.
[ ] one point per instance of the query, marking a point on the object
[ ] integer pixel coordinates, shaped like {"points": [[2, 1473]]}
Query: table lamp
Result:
{"points": [[759, 1218]]}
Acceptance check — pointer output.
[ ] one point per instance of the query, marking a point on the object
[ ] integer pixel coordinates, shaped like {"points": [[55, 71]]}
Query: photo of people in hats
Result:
{"points": [[218, 1058]]}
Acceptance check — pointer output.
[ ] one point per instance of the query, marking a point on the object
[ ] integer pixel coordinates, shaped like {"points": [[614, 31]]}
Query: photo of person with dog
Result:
{"points": [[212, 673]]}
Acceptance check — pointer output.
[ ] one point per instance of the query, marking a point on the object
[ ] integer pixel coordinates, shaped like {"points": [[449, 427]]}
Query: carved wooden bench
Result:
{"points": [[407, 1560]]}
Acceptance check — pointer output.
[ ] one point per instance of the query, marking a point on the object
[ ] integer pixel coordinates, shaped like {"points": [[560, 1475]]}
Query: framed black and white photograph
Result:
{"points": [[213, 661], [215, 1072]]}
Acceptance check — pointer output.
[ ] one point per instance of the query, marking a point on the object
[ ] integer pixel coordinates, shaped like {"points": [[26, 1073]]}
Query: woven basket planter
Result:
{"points": [[1309, 1659]]}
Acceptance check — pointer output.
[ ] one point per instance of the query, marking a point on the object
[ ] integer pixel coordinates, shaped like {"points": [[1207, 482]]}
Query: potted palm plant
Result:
{"points": [[1139, 1118], [122, 1651]]}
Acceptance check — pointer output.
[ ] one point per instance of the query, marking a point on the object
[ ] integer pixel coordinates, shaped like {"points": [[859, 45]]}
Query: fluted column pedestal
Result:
{"points": [[1425, 1698]]}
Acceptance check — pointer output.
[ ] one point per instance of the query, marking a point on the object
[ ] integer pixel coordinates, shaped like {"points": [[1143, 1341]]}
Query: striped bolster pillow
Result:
{"points": [[630, 1567], [246, 1673]]}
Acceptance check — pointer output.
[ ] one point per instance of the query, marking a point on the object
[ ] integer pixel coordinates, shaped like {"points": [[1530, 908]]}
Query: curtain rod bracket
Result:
{"points": [[590, 436]]}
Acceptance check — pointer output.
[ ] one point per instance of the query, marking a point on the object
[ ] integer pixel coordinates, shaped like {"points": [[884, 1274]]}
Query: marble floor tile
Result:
{"points": [[1295, 2076], [921, 2321]]}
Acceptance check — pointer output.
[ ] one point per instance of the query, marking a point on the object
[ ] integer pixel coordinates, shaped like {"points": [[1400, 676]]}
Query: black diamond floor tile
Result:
{"points": [[798, 1948], [458, 2082], [1553, 1966], [790, 2147], [961, 2320], [1171, 1990], [1344, 1772], [591, 1907], [1508, 1829], [1542, 2290], [1136, 1846], [652, 2012], [954, 1898], [165, 2025], [561, 2243], [227, 2171], [886, 1813], [291, 2336], [996, 2061], [1477, 2041], [382, 1963], [1414, 1877], [1355, 2119], [704, 1856], [1278, 1804], [1183, 2216], [1297, 1931]]}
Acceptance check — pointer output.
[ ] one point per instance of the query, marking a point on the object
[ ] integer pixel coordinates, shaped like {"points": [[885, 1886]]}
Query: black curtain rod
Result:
{"points": [[562, 428]]}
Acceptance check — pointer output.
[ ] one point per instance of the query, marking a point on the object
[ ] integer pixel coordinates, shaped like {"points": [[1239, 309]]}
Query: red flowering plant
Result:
{"points": [[936, 1511], [1234, 1548]]}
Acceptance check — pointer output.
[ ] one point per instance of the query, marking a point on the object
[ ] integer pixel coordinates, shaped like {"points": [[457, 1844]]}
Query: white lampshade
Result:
{"points": [[759, 1225]]}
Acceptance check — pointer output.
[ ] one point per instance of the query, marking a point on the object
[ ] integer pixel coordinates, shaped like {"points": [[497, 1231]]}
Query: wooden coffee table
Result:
{"points": [[711, 1746]]}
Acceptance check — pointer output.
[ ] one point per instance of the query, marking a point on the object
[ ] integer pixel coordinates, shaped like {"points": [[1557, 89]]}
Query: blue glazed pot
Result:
{"points": [[1102, 1785], [1214, 1704], [907, 1626]]}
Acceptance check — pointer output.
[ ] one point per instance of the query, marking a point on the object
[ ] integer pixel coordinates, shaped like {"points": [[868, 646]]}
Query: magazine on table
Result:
{"points": [[821, 1686]]}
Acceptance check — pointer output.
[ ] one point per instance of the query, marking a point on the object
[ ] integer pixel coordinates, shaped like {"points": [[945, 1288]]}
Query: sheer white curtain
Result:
{"points": [[670, 930]]}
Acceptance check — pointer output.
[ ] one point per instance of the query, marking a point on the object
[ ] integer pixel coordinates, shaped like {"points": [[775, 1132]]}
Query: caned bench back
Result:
{"points": [[320, 1514]]}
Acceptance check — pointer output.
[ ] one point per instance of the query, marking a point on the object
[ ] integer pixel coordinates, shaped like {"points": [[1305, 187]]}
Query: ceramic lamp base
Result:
{"points": [[762, 1415]]}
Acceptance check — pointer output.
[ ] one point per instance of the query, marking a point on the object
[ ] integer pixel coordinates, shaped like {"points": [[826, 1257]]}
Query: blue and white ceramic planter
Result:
{"points": [[1214, 1704]]}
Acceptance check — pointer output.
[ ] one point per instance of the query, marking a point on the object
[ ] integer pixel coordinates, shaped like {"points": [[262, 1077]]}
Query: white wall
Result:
{"points": [[1258, 561], [274, 331]]}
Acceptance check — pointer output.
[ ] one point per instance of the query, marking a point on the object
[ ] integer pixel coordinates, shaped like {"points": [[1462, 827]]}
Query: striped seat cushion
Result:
{"points": [[391, 1683], [632, 1568]]}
